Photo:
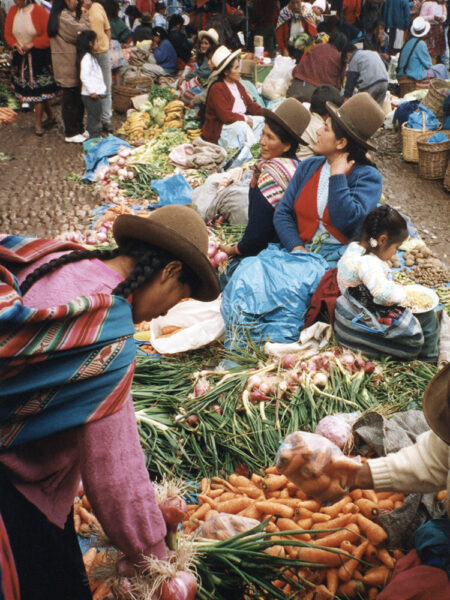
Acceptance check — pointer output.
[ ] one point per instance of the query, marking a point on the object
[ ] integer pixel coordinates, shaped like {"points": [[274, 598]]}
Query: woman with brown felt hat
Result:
{"points": [[279, 142], [159, 261]]}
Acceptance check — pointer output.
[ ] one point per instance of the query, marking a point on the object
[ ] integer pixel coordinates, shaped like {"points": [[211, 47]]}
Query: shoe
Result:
{"points": [[76, 139], [25, 106], [108, 127], [85, 134], [38, 131]]}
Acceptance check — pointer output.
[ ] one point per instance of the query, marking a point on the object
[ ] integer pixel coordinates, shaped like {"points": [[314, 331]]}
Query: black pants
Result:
{"points": [[48, 559], [93, 108], [72, 111]]}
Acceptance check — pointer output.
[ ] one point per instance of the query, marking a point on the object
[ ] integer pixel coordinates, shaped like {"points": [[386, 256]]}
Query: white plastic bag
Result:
{"points": [[279, 79], [201, 321]]}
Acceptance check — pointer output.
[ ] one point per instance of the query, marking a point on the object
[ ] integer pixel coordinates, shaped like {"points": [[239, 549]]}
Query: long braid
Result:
{"points": [[383, 219], [65, 259]]}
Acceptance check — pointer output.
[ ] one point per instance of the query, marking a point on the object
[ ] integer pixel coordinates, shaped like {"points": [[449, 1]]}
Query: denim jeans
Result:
{"points": [[105, 65]]}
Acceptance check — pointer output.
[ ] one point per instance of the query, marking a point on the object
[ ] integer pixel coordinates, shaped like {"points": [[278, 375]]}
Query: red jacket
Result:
{"points": [[283, 32], [39, 17], [219, 110], [351, 9], [321, 65]]}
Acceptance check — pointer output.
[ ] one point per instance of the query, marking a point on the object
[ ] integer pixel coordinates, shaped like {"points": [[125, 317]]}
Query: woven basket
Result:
{"points": [[434, 99], [121, 97], [433, 158], [409, 140], [447, 178], [407, 84]]}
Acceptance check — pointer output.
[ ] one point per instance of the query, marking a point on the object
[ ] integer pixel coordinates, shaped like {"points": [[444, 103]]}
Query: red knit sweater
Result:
{"points": [[219, 110], [321, 65], [39, 17]]}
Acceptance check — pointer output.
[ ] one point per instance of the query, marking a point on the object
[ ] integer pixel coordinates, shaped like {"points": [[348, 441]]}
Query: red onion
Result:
{"points": [[369, 367], [288, 361], [182, 587], [217, 409], [254, 381], [348, 360], [193, 420], [360, 362], [174, 511], [221, 257], [201, 387], [320, 379], [212, 249], [265, 388], [257, 396]]}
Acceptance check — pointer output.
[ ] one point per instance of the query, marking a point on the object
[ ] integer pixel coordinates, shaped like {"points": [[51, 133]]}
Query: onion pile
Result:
{"points": [[117, 168], [181, 587], [216, 256], [89, 238]]}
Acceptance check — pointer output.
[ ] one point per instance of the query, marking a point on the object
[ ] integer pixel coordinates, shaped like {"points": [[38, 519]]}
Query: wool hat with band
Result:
{"points": [[222, 57], [420, 27], [181, 232], [211, 34], [292, 116], [436, 404], [360, 117]]}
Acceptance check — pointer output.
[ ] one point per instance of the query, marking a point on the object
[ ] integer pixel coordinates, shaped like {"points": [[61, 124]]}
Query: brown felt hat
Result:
{"points": [[292, 116], [436, 404], [360, 117], [180, 231]]}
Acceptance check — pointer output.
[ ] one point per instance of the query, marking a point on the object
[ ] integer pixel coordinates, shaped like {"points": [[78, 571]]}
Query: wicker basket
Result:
{"points": [[433, 158], [447, 178], [407, 84], [434, 99], [121, 97], [409, 140]]}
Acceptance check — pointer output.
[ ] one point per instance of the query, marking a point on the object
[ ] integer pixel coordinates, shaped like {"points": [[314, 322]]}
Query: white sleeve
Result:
{"points": [[422, 467], [86, 74]]}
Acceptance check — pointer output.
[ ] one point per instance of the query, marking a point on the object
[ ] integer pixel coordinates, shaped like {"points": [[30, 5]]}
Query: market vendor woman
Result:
{"points": [[65, 406]]}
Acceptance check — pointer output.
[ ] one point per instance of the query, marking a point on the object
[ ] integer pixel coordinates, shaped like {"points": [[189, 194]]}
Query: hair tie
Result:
{"points": [[373, 243]]}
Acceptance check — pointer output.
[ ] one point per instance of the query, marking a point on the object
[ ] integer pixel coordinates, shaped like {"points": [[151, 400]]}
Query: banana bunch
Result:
{"points": [[135, 126], [153, 132], [193, 133], [174, 112]]}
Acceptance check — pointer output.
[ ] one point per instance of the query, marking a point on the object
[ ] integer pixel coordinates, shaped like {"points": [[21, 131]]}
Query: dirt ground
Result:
{"points": [[40, 194]]}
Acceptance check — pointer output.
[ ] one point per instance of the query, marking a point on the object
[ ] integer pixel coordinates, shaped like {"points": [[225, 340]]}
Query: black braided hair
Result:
{"points": [[148, 261], [387, 220]]}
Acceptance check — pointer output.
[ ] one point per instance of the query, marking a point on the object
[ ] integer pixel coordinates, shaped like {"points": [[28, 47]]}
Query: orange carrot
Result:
{"points": [[271, 527], [320, 518], [211, 513], [370, 495], [276, 551], [290, 525], [441, 496], [335, 539], [356, 494], [322, 593], [398, 503], [239, 480], [201, 511], [293, 502], [300, 494], [275, 508], [256, 479], [350, 508], [273, 483], [348, 568], [373, 532], [215, 493], [251, 491], [292, 551], [319, 556], [348, 547], [227, 496], [368, 508], [397, 496], [76, 522], [333, 524], [305, 523], [205, 484], [291, 488], [372, 593], [332, 581], [386, 558], [272, 471], [85, 515], [235, 505], [284, 493], [102, 590], [203, 498], [251, 512], [383, 495], [85, 502], [378, 576], [351, 588], [386, 504], [336, 508], [88, 558], [371, 552], [311, 505]]}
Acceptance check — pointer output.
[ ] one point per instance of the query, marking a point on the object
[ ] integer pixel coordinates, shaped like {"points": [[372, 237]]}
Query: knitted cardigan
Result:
{"points": [[39, 18]]}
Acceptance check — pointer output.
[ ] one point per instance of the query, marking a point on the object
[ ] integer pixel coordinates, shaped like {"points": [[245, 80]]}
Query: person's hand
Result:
{"points": [[230, 250], [362, 478], [127, 566], [341, 165], [94, 96], [27, 47], [302, 248], [19, 48], [249, 121]]}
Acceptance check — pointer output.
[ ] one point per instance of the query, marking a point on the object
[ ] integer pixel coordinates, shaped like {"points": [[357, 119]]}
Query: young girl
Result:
{"points": [[364, 275], [93, 86]]}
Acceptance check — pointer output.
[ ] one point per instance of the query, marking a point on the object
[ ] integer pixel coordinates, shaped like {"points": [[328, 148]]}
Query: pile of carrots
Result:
{"points": [[92, 559], [364, 569], [7, 115]]}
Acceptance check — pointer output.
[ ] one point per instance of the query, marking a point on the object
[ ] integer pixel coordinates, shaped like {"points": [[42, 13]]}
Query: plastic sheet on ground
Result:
{"points": [[172, 190]]}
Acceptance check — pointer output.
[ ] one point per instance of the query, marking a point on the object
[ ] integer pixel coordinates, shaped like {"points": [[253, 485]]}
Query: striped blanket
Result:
{"points": [[61, 366]]}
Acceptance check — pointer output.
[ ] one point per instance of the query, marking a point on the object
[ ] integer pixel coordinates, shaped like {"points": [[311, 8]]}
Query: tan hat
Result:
{"points": [[222, 57], [420, 27], [211, 34], [180, 231], [436, 404], [360, 117], [292, 116]]}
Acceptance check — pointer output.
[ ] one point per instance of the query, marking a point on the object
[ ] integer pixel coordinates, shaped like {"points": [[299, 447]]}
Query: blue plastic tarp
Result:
{"points": [[97, 153], [172, 190]]}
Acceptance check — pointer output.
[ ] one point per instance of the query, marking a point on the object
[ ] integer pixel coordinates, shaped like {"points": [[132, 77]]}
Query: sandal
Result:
{"points": [[38, 131]]}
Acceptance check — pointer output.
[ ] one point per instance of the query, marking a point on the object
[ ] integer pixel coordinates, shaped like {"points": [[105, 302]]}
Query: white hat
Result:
{"points": [[420, 27], [222, 57], [186, 19], [322, 4], [211, 34]]}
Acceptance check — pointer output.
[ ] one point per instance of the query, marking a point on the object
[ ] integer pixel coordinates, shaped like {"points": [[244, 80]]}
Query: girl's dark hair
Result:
{"points": [[348, 48], [53, 21], [200, 56], [84, 40], [285, 137], [111, 8], [148, 262], [355, 151], [323, 94], [175, 20], [161, 32], [384, 219], [338, 40]]}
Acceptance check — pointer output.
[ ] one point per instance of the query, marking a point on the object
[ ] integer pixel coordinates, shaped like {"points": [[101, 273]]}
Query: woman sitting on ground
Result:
{"points": [[231, 117], [330, 195], [163, 60], [205, 47], [179, 41], [144, 30], [281, 135], [415, 60]]}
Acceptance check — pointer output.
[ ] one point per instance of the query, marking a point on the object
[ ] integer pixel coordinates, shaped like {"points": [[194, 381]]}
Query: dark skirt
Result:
{"points": [[32, 76]]}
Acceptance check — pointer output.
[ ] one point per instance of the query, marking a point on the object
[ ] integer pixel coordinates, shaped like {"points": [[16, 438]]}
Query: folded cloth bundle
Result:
{"points": [[199, 155]]}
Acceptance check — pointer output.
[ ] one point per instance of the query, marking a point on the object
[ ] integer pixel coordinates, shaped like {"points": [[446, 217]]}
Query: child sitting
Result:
{"points": [[364, 275], [92, 83]]}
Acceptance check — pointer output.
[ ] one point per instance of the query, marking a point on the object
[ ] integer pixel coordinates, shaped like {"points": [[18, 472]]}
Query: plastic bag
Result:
{"points": [[337, 428], [173, 190], [279, 79], [416, 119], [201, 324], [316, 465], [224, 526], [269, 294]]}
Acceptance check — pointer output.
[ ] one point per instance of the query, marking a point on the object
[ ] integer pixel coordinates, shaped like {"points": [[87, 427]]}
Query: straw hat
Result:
{"points": [[360, 117], [420, 27], [292, 116], [180, 231], [211, 34], [436, 404], [222, 57]]}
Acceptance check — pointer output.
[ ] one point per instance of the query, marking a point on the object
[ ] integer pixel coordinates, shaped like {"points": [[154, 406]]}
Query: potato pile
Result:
{"points": [[428, 269]]}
